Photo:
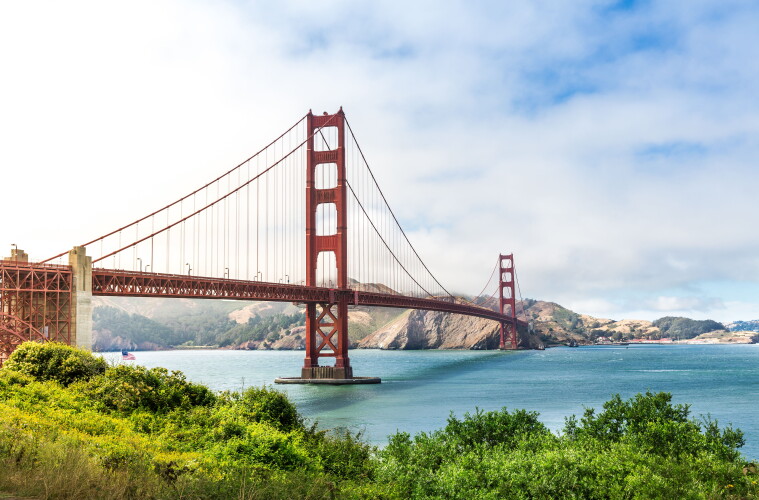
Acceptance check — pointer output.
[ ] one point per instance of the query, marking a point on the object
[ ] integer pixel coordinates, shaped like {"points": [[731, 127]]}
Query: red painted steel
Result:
{"points": [[36, 299], [136, 284], [327, 322], [506, 283], [132, 283], [35, 303], [13, 332], [34, 296]]}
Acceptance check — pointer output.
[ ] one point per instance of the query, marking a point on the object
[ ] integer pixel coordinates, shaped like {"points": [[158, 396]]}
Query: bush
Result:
{"points": [[493, 428], [645, 447], [127, 388], [261, 404], [343, 454], [654, 425], [53, 361], [131, 432], [685, 328]]}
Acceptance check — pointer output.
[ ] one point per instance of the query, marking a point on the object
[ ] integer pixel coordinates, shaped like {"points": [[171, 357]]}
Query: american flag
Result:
{"points": [[126, 355]]}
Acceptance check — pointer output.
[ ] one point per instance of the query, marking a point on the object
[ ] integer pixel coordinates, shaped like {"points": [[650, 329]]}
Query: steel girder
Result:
{"points": [[136, 284], [35, 303]]}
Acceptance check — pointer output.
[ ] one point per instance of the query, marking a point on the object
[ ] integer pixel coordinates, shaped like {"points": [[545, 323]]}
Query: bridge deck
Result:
{"points": [[129, 283]]}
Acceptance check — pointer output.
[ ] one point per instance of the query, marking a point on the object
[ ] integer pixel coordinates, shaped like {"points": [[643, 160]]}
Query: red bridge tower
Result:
{"points": [[327, 323], [507, 297]]}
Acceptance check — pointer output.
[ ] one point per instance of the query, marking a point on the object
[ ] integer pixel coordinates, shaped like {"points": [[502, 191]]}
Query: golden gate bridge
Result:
{"points": [[303, 220]]}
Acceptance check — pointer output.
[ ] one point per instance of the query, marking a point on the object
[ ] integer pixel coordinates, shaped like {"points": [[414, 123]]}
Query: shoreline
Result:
{"points": [[628, 344]]}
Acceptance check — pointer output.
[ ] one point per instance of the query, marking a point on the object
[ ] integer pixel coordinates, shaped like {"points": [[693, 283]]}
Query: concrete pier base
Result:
{"points": [[81, 310], [328, 375], [328, 381], [326, 372]]}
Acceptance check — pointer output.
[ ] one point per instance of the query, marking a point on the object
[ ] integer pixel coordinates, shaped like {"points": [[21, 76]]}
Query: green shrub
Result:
{"points": [[53, 361], [493, 428], [133, 432], [645, 447], [343, 454], [654, 425], [262, 404], [127, 388]]}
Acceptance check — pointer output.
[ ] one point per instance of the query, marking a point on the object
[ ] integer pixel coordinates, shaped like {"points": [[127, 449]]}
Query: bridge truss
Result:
{"points": [[302, 220]]}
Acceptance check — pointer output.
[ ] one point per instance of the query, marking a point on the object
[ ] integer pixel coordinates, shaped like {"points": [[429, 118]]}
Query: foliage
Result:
{"points": [[652, 424], [645, 447], [130, 328], [568, 320], [127, 388], [738, 326], [258, 328], [133, 432], [366, 320], [271, 407], [118, 329], [53, 361], [685, 328]]}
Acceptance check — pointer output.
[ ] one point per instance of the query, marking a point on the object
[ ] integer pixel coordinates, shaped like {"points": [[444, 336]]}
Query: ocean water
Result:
{"points": [[420, 389]]}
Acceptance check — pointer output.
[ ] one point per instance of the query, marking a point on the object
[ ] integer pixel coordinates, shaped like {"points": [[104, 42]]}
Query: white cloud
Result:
{"points": [[613, 153]]}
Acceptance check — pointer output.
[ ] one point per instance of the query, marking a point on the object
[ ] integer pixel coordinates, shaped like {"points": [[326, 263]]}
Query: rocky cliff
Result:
{"points": [[415, 329], [172, 322]]}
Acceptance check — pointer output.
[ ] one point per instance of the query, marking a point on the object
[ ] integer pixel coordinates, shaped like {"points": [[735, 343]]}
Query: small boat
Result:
{"points": [[572, 343], [127, 356]]}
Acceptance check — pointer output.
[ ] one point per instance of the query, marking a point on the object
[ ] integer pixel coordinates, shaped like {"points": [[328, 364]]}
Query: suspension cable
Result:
{"points": [[391, 210], [213, 202], [185, 197]]}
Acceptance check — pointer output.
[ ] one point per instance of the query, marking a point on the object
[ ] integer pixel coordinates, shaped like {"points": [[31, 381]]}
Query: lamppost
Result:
{"points": [[188, 268], [226, 272], [140, 260], [146, 267]]}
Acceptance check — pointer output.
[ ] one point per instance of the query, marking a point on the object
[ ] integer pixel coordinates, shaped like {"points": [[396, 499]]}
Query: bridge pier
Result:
{"points": [[327, 323], [81, 298], [35, 302]]}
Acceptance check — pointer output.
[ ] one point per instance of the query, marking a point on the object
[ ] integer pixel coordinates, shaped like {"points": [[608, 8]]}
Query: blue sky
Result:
{"points": [[611, 146]]}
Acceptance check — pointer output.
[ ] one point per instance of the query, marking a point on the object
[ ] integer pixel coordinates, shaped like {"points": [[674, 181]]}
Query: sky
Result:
{"points": [[610, 145]]}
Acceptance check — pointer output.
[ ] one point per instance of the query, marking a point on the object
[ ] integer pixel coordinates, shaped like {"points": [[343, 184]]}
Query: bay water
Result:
{"points": [[420, 389]]}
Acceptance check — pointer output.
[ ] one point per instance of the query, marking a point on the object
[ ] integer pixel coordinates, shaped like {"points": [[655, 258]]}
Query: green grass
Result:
{"points": [[71, 427]]}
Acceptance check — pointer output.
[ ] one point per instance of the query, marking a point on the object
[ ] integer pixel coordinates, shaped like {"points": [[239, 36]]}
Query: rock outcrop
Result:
{"points": [[416, 329]]}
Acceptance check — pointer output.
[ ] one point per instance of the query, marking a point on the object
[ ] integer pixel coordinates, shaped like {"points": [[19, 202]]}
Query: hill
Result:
{"points": [[743, 326], [144, 324]]}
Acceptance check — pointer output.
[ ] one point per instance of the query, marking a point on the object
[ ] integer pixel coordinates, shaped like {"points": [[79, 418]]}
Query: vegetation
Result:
{"points": [[366, 320], [752, 326], [117, 329], [257, 328], [130, 432], [132, 329], [685, 328], [208, 324]]}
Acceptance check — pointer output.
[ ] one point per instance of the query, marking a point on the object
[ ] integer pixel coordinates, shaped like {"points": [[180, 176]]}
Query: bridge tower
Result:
{"points": [[507, 298], [37, 302], [327, 323]]}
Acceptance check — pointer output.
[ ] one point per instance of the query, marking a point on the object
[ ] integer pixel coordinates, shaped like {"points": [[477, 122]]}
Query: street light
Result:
{"points": [[146, 267], [188, 268], [139, 259], [226, 272]]}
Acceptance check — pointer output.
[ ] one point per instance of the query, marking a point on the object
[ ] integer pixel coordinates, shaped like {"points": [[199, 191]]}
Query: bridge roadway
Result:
{"points": [[111, 282]]}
